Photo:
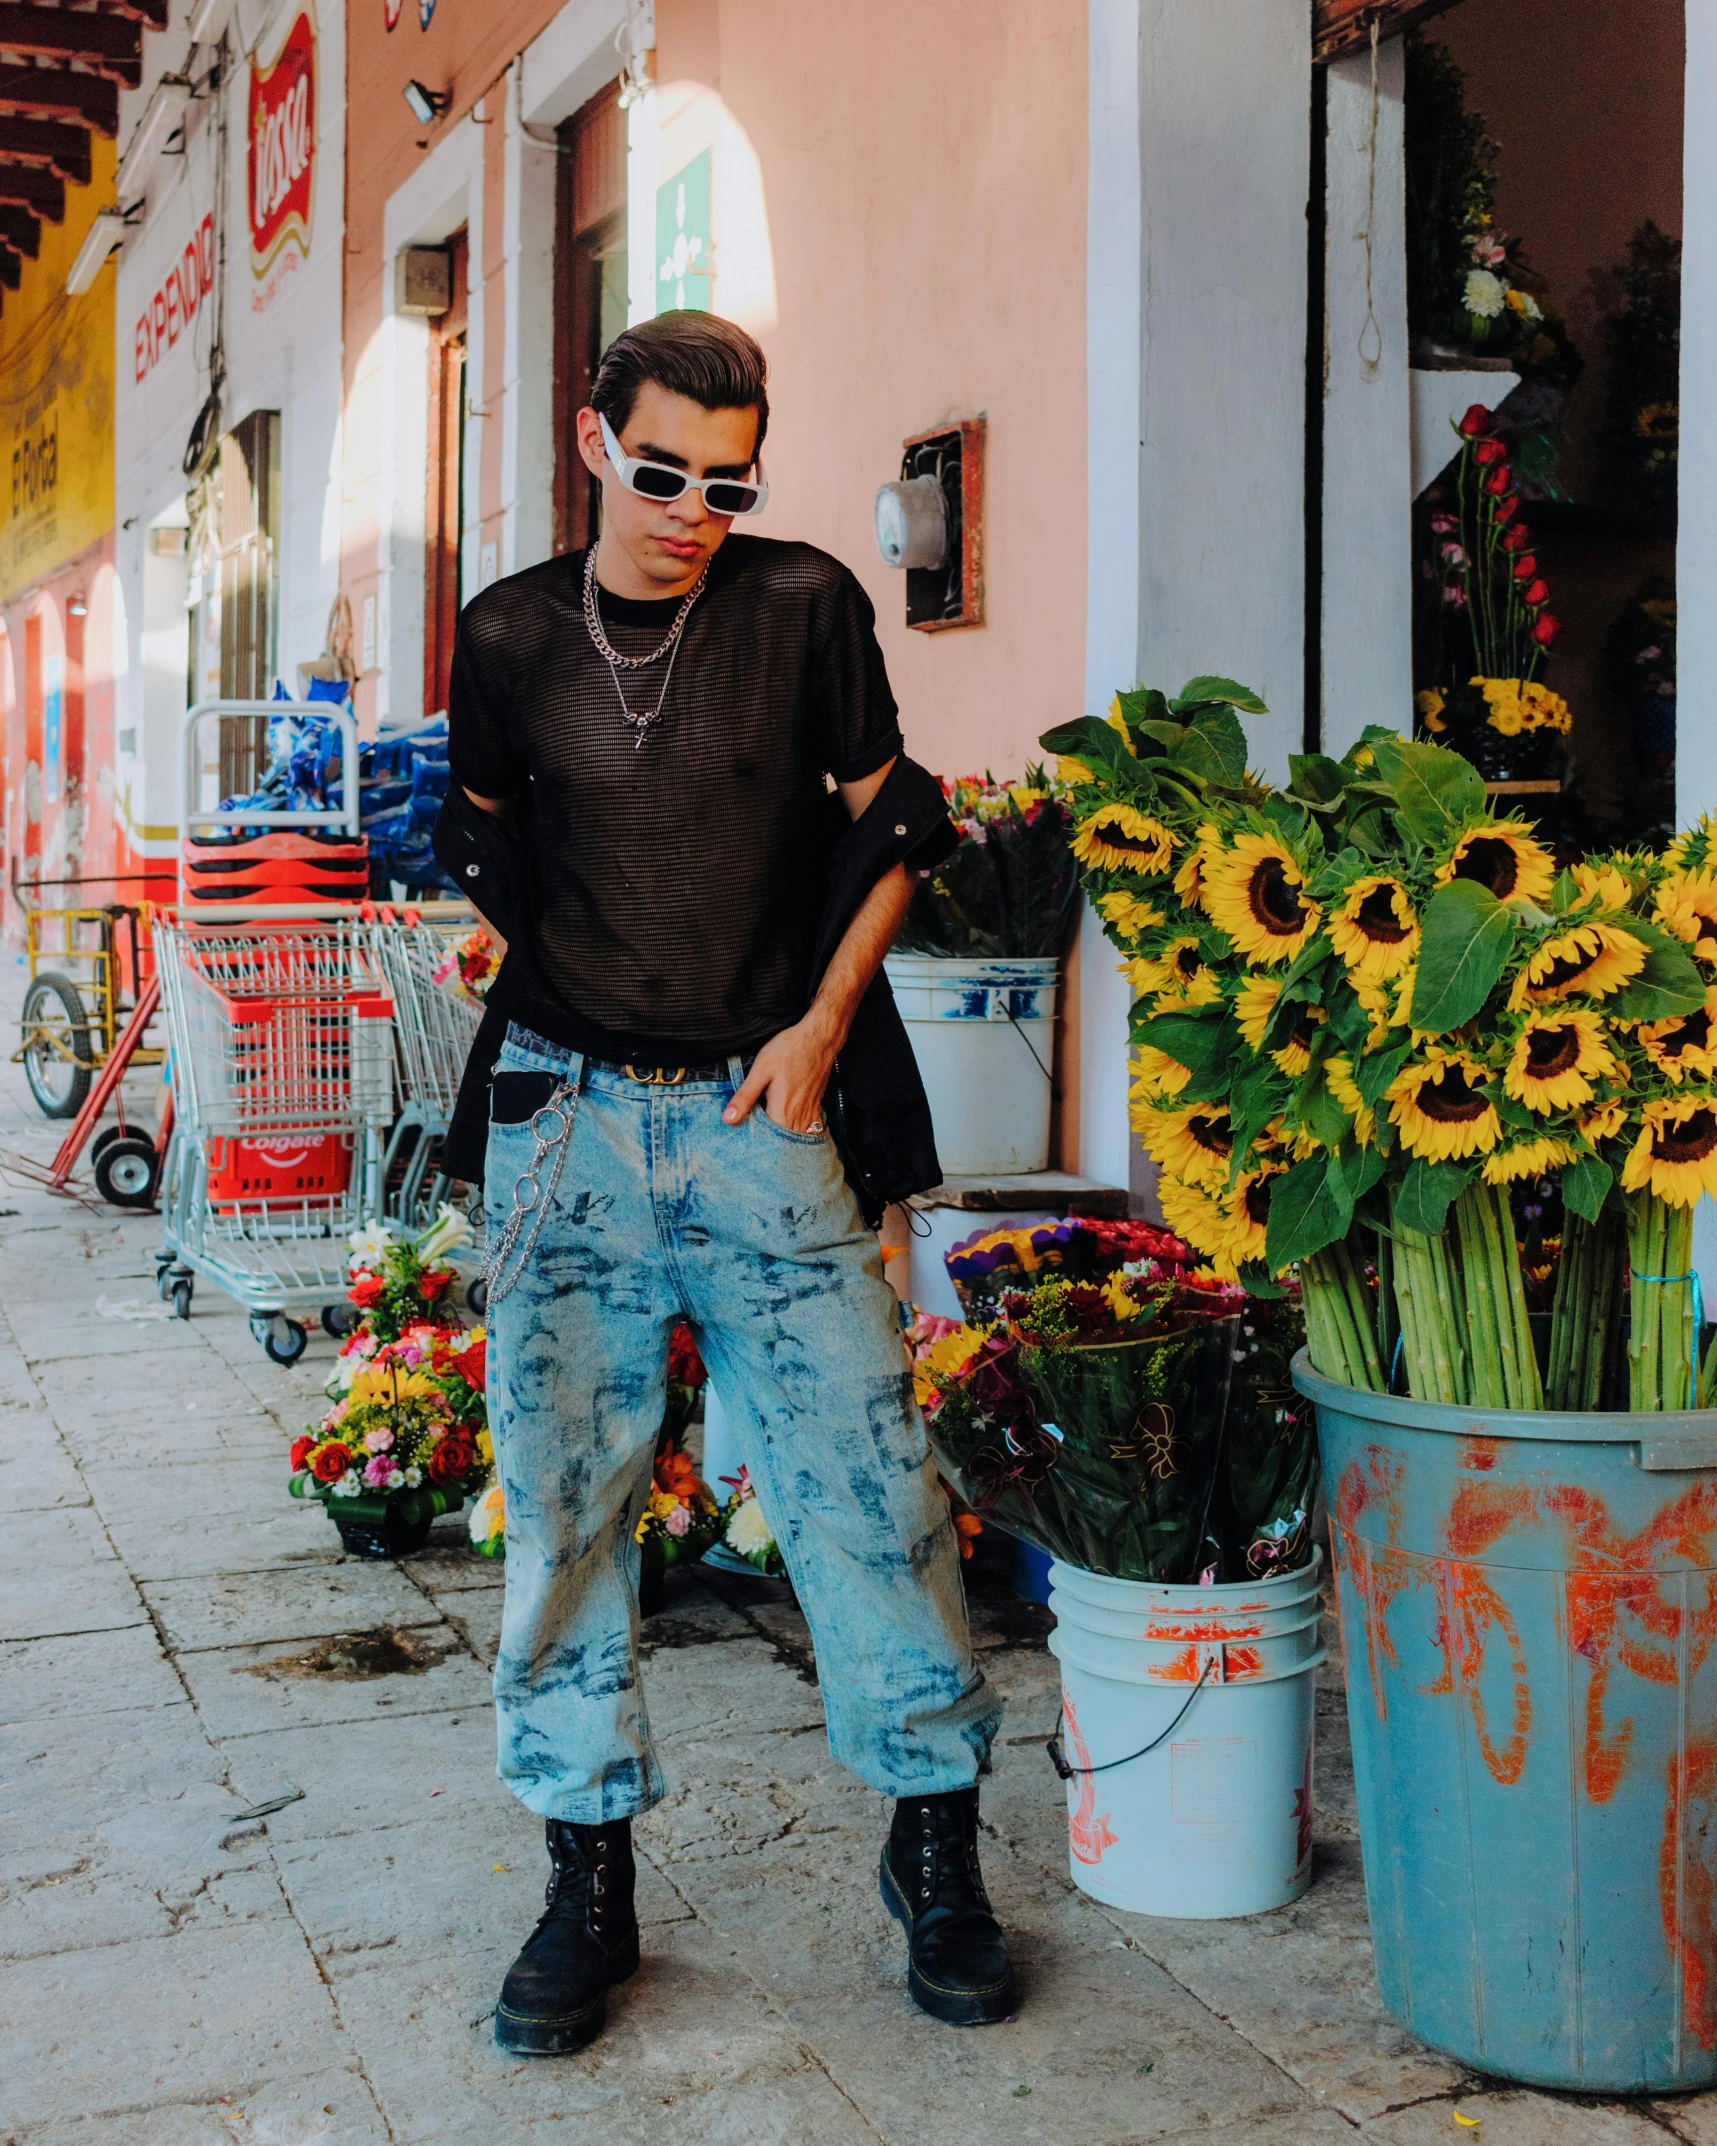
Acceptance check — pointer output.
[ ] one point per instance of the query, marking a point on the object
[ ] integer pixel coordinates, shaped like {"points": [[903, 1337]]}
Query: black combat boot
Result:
{"points": [[958, 1968], [555, 1997]]}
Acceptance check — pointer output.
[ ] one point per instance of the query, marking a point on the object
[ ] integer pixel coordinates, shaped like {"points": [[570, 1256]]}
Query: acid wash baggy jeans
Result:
{"points": [[660, 1211]]}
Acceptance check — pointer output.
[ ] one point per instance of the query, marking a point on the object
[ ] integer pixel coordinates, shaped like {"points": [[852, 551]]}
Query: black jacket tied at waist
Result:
{"points": [[876, 1109]]}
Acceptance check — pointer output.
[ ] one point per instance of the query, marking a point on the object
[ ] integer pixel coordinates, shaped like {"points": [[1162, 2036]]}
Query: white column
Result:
{"points": [[1195, 371], [1696, 542], [1367, 456], [1114, 263], [528, 441]]}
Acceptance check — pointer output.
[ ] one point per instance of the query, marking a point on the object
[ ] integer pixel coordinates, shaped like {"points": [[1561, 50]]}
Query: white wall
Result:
{"points": [[1367, 457], [283, 353]]}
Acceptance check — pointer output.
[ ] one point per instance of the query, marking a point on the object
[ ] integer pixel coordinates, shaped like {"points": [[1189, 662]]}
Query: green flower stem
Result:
{"points": [[1520, 1362], [1339, 1319], [1488, 1381], [1428, 1291], [1660, 1342], [1353, 1308], [1587, 1309]]}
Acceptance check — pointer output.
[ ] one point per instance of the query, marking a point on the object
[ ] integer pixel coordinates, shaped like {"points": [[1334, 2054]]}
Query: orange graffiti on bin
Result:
{"points": [[1687, 1885], [1238, 1663], [1087, 1834], [1620, 1606]]}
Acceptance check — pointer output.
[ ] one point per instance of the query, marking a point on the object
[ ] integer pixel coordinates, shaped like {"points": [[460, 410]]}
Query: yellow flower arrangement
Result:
{"points": [[1253, 893]]}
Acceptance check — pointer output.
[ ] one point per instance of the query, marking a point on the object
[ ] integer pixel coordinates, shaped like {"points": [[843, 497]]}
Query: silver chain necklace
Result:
{"points": [[638, 719]]}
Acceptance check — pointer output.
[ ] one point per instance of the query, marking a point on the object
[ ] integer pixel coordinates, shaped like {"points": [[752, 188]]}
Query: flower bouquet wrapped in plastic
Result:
{"points": [[1091, 1422]]}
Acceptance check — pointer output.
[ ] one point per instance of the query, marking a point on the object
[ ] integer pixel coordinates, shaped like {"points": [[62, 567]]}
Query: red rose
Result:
{"points": [[433, 1283], [1538, 592], [1517, 538], [328, 1463], [1546, 627], [685, 1365], [365, 1290], [472, 1363], [1476, 422], [301, 1450], [454, 1457], [1526, 566], [1499, 480], [1505, 510], [1489, 451]]}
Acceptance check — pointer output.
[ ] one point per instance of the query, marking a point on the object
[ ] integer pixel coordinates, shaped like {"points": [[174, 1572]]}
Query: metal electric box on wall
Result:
{"points": [[930, 522], [425, 285]]}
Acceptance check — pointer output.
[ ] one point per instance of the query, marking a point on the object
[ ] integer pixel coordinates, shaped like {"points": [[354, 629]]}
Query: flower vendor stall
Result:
{"points": [[1371, 1005]]}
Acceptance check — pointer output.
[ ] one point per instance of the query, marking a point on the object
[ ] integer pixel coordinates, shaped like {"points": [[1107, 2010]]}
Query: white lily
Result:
{"points": [[447, 1233], [368, 1246]]}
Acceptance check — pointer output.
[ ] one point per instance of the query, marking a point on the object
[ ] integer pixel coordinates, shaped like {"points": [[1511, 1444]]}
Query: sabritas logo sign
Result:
{"points": [[283, 145]]}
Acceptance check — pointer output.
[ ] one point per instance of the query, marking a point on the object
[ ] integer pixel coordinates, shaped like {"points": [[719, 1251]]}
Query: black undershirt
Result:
{"points": [[674, 886]]}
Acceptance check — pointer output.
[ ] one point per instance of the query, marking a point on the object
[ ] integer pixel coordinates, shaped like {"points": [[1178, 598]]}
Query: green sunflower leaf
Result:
{"points": [[1360, 1168], [1202, 691], [1256, 1282], [1436, 791], [1198, 1042], [1319, 1111], [1373, 1074], [1260, 1093], [1307, 1212], [1316, 778], [1467, 938], [1427, 1193], [1349, 1022], [1585, 1187], [1095, 742], [1668, 984], [1214, 746]]}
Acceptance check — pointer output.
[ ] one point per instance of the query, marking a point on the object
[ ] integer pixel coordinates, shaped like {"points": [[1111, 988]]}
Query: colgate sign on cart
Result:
{"points": [[283, 145]]}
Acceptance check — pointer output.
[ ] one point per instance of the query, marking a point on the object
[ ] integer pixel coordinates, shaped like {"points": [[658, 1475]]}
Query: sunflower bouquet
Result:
{"points": [[1367, 1006]]}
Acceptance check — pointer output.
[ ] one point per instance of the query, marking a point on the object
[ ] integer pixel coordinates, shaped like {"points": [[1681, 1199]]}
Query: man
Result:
{"points": [[657, 718]]}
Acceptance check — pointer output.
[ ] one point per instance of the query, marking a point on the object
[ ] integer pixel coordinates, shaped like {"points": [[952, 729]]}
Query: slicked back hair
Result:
{"points": [[698, 355]]}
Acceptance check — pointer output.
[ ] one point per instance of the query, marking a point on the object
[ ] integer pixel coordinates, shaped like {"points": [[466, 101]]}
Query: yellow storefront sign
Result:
{"points": [[56, 399]]}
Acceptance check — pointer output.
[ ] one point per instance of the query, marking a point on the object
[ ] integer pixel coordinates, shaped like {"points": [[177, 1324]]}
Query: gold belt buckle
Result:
{"points": [[657, 1076]]}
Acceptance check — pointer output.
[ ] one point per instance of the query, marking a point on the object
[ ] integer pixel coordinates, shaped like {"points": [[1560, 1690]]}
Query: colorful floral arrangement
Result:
{"points": [[1466, 284], [470, 966], [1496, 626], [745, 1528], [1368, 1005], [409, 1421], [1009, 891], [682, 1518]]}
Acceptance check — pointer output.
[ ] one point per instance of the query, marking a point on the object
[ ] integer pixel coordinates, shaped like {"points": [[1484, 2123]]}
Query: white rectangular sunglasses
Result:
{"points": [[660, 482]]}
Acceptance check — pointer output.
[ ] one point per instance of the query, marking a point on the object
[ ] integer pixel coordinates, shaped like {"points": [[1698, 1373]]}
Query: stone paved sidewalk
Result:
{"points": [[181, 1963]]}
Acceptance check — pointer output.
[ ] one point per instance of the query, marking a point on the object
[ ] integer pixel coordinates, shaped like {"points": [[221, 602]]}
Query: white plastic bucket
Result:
{"points": [[1215, 1818], [983, 1033]]}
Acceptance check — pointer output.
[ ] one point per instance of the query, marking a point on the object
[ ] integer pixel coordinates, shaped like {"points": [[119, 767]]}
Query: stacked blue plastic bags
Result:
{"points": [[402, 779]]}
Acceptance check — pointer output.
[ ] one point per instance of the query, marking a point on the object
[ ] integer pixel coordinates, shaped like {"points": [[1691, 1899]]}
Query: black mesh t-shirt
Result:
{"points": [[673, 886]]}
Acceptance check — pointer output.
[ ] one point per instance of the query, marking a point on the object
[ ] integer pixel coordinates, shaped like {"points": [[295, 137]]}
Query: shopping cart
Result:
{"points": [[282, 1038], [433, 1033]]}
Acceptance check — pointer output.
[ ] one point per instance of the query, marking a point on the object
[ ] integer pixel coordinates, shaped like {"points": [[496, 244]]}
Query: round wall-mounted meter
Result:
{"points": [[912, 523]]}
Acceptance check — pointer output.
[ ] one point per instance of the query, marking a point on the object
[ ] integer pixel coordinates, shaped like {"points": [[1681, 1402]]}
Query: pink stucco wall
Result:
{"points": [[923, 174]]}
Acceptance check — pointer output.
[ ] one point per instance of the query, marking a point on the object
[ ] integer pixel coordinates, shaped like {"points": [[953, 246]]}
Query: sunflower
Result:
{"points": [[1441, 1110], [1254, 1003], [1338, 1078], [1072, 774], [1179, 975], [1373, 927], [1684, 1045], [1602, 887], [1430, 705], [1590, 960], [1687, 905], [1252, 892], [1117, 838], [1130, 914], [1197, 1217], [1247, 1206], [1156, 1075], [1675, 1156], [1502, 856], [1295, 1056], [1193, 1142], [1603, 1123], [1382, 1007], [1189, 880], [1555, 1059], [1530, 1157]]}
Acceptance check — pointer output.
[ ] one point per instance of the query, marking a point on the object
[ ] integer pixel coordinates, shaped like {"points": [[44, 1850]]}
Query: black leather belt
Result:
{"points": [[668, 1076]]}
